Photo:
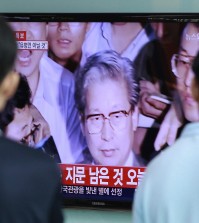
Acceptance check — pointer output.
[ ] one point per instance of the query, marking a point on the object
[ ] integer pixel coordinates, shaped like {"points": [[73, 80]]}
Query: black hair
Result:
{"points": [[21, 98], [8, 49], [195, 82], [151, 64], [195, 67]]}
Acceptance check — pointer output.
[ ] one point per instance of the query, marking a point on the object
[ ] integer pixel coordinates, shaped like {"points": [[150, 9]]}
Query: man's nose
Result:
{"points": [[107, 131], [63, 26], [188, 77]]}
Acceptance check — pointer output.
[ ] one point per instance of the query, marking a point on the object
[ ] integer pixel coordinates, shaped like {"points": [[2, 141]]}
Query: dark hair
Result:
{"points": [[8, 49], [151, 64], [195, 82], [20, 99], [103, 65], [195, 67]]}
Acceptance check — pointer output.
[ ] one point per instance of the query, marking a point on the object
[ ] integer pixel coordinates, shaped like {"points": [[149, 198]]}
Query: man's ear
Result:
{"points": [[135, 115], [8, 87]]}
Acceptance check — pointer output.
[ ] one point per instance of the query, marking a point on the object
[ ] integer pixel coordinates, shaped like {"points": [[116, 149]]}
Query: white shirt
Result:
{"points": [[99, 38], [54, 98]]}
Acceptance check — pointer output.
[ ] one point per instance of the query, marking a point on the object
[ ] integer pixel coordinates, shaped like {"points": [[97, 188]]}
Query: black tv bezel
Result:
{"points": [[101, 17]]}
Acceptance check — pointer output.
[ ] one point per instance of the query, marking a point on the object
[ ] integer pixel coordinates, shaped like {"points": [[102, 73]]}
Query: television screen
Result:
{"points": [[102, 95]]}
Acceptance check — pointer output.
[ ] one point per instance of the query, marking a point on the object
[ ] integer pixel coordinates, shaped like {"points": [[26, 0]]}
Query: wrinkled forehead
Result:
{"points": [[106, 96]]}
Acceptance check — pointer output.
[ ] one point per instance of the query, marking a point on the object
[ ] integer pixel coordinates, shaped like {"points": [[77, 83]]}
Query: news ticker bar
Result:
{"points": [[107, 176]]}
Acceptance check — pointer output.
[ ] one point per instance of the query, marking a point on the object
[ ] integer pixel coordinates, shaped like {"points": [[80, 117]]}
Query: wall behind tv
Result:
{"points": [[56, 6]]}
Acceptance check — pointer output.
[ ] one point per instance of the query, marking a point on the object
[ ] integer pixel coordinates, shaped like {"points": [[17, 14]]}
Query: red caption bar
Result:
{"points": [[20, 35], [108, 176]]}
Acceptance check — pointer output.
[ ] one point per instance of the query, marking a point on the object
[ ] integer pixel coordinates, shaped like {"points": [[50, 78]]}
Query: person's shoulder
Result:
{"points": [[162, 157], [14, 153], [9, 146], [190, 130], [175, 156]]}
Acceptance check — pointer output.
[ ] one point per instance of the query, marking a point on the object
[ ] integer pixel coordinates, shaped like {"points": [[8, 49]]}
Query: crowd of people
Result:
{"points": [[54, 76], [80, 49]]}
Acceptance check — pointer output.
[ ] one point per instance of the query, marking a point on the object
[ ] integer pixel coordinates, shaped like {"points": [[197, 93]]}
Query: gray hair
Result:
{"points": [[109, 65]]}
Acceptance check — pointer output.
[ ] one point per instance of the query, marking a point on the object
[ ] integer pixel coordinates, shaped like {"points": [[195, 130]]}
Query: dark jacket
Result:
{"points": [[29, 185]]}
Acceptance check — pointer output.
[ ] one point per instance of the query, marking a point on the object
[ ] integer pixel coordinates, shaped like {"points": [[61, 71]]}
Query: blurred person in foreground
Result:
{"points": [[173, 176], [106, 96], [30, 180]]}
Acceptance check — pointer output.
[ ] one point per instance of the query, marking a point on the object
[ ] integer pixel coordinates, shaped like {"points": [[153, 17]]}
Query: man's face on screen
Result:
{"points": [[188, 50], [28, 60], [108, 123], [66, 39], [28, 126]]}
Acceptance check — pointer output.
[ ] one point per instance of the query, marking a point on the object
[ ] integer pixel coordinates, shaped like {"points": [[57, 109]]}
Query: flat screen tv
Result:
{"points": [[98, 96]]}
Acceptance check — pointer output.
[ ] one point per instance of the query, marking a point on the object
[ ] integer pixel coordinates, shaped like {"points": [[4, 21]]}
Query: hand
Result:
{"points": [[149, 106], [168, 129]]}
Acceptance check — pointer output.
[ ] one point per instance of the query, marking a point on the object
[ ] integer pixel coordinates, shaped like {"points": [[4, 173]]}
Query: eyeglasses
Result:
{"points": [[117, 121], [181, 64], [70, 24]]}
